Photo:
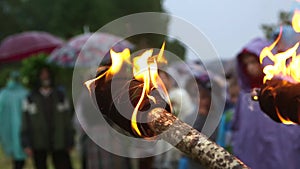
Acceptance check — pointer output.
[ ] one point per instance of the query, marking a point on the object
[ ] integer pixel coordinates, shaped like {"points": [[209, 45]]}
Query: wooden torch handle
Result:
{"points": [[190, 141]]}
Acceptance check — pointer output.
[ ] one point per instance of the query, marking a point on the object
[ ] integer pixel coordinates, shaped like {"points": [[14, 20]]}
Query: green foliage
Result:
{"points": [[5, 71], [284, 19], [268, 30], [177, 48], [155, 41], [31, 67], [67, 18]]}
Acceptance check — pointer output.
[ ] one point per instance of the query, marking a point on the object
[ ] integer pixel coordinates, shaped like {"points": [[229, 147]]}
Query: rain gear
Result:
{"points": [[258, 141], [47, 122], [11, 97]]}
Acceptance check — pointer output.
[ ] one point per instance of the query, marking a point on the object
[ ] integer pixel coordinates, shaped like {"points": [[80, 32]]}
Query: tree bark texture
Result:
{"points": [[190, 141]]}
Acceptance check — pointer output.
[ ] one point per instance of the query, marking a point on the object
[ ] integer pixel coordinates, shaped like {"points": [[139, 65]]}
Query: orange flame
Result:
{"points": [[145, 69], [285, 66], [283, 120], [117, 61], [296, 20]]}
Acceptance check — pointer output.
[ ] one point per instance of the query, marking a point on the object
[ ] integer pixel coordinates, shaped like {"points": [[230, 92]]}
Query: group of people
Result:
{"points": [[38, 122], [244, 129], [257, 139]]}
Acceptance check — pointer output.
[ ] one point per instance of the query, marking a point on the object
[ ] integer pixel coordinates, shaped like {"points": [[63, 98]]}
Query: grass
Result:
{"points": [[6, 162]]}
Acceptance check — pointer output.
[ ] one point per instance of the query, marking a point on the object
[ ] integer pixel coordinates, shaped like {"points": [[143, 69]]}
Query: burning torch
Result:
{"points": [[140, 106], [279, 97]]}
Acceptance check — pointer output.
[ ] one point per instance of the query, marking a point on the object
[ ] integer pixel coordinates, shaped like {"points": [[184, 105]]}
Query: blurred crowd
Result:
{"points": [[38, 123]]}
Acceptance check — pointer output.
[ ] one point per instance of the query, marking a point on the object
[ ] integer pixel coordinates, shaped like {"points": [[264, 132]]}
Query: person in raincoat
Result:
{"points": [[258, 141], [11, 98], [47, 127]]}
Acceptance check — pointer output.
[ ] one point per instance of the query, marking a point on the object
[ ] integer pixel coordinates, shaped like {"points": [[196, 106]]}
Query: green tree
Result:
{"points": [[269, 28], [66, 18]]}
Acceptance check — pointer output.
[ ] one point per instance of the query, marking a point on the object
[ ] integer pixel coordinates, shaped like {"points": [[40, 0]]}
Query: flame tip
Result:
{"points": [[145, 69], [285, 66], [296, 20]]}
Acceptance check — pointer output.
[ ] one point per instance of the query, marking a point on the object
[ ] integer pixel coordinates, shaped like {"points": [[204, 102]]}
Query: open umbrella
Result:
{"points": [[22, 45], [87, 48]]}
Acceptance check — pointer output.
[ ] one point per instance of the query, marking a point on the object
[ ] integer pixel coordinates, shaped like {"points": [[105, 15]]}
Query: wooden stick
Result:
{"points": [[158, 121], [190, 141]]}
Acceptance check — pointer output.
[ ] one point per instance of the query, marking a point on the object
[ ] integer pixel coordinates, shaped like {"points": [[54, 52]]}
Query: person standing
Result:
{"points": [[11, 98], [257, 140], [47, 124]]}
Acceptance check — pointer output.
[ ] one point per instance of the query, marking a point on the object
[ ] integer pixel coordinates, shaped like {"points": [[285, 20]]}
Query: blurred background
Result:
{"points": [[219, 21], [35, 33], [234, 21]]}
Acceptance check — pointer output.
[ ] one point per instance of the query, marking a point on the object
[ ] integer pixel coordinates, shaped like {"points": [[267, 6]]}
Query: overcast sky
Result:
{"points": [[229, 24]]}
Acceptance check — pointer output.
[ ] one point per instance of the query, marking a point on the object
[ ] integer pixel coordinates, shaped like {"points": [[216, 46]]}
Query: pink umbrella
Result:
{"points": [[22, 45], [87, 48]]}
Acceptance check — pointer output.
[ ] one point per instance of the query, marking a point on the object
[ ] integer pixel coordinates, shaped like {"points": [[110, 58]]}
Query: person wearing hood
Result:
{"points": [[11, 98], [259, 141], [47, 124]]}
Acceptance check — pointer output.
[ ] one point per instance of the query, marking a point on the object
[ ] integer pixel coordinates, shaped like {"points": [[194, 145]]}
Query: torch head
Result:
{"points": [[117, 106], [280, 100], [127, 90]]}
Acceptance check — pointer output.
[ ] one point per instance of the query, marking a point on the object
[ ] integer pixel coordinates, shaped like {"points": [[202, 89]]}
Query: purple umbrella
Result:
{"points": [[87, 48], [22, 45]]}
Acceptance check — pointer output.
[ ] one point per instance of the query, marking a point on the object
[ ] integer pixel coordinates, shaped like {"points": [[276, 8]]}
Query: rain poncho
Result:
{"points": [[47, 121], [258, 141], [11, 98]]}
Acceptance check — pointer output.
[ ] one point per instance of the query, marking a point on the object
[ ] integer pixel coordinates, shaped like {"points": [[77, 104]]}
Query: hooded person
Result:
{"points": [[47, 123], [259, 141], [11, 98]]}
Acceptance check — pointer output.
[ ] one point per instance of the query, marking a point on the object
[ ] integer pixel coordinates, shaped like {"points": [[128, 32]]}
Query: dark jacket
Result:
{"points": [[47, 122]]}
